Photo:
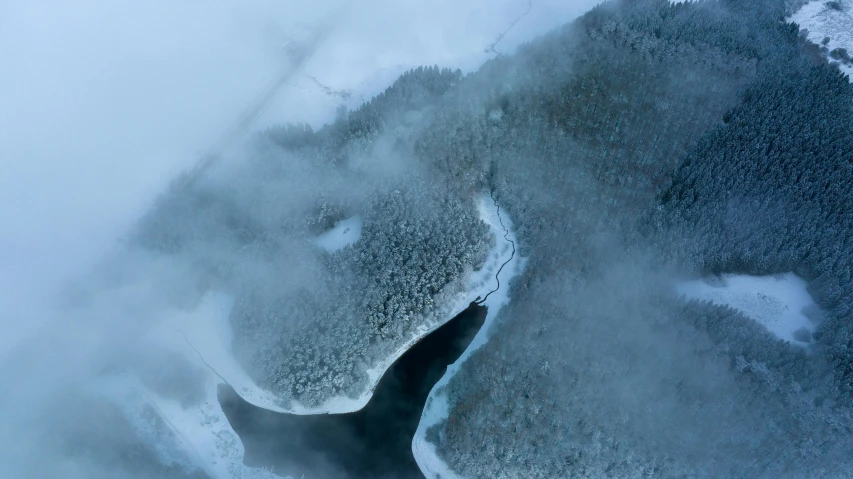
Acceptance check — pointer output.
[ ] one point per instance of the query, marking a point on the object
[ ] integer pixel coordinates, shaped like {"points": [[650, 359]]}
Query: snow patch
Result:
{"points": [[780, 303], [370, 44], [829, 19], [344, 233], [437, 405]]}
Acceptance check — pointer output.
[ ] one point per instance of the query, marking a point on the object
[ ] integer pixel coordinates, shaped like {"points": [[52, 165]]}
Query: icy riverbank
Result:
{"points": [[192, 436], [437, 405]]}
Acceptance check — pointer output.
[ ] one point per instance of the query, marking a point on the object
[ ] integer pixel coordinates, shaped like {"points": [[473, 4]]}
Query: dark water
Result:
{"points": [[375, 442]]}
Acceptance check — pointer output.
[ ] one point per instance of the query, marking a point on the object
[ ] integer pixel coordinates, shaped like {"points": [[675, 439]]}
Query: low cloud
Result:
{"points": [[105, 102]]}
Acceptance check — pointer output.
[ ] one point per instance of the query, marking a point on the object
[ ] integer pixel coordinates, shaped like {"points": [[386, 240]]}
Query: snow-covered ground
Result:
{"points": [[829, 19], [437, 405], [204, 336], [780, 303], [344, 233], [124, 111], [198, 435]]}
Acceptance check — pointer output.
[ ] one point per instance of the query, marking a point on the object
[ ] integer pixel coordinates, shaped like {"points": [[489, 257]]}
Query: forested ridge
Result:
{"points": [[642, 143], [308, 323], [590, 166]]}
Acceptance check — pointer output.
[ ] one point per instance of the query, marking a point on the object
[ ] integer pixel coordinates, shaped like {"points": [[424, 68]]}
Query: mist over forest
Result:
{"points": [[649, 203]]}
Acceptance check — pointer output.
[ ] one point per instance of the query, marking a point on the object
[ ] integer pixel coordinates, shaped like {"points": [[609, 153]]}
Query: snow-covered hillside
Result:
{"points": [[125, 111], [830, 25], [199, 434], [205, 334], [780, 303]]}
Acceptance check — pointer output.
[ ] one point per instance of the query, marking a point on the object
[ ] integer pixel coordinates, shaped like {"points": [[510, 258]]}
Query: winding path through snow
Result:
{"points": [[437, 406]]}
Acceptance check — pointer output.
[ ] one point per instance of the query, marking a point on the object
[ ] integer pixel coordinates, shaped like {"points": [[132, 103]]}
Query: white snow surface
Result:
{"points": [[344, 233], [780, 303], [198, 435], [821, 21], [437, 407], [204, 336]]}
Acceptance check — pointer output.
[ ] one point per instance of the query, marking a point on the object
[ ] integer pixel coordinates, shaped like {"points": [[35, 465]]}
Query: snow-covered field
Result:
{"points": [[828, 19], [780, 303], [437, 406]]}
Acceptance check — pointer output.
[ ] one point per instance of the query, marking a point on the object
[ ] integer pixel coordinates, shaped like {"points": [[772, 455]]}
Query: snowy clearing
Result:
{"points": [[344, 233], [833, 20], [436, 408], [780, 303]]}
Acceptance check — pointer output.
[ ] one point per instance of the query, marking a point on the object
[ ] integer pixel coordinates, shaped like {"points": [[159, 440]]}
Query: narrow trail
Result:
{"points": [[187, 339], [511, 256], [299, 55], [491, 48]]}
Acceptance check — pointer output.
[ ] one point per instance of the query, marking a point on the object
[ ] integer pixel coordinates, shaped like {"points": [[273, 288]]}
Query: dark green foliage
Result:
{"points": [[634, 390], [644, 141], [309, 323], [771, 192], [413, 91], [840, 54]]}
